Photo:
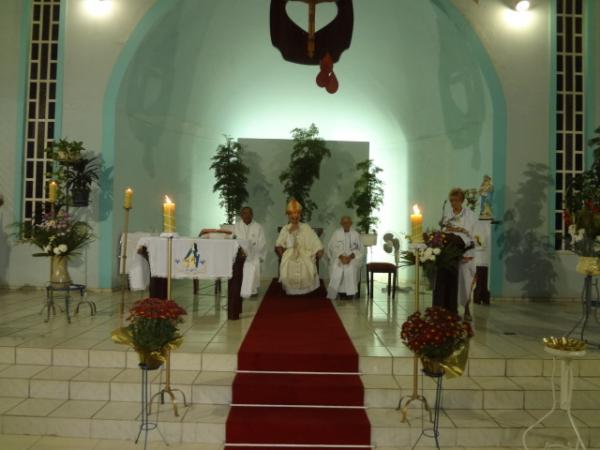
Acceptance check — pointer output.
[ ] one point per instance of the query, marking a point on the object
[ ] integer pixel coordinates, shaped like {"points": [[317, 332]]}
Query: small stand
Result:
{"points": [[433, 432], [406, 400], [124, 258], [168, 389], [566, 393], [145, 424], [51, 308], [589, 307]]}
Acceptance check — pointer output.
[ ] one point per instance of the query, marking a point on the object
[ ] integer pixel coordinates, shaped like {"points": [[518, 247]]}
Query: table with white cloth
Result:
{"points": [[196, 258]]}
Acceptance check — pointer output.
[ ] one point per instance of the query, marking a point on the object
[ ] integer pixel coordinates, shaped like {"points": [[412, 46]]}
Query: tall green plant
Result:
{"points": [[367, 196], [231, 176], [308, 153]]}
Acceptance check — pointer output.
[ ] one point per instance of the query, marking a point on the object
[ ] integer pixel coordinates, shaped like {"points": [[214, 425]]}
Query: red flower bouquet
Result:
{"points": [[436, 335], [152, 330]]}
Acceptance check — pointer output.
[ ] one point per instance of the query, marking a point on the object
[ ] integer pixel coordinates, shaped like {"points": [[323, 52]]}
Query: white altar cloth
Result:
{"points": [[192, 257]]}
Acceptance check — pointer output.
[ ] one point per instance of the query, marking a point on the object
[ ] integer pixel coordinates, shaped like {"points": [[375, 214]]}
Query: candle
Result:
{"points": [[52, 192], [168, 215], [416, 225], [127, 198]]}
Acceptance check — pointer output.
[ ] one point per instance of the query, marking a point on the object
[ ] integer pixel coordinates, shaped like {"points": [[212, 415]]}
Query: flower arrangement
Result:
{"points": [[436, 335], [472, 196], [439, 251], [58, 234], [152, 330], [582, 208], [153, 323]]}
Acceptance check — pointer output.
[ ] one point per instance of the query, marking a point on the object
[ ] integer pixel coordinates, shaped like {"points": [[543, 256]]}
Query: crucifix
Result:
{"points": [[312, 7]]}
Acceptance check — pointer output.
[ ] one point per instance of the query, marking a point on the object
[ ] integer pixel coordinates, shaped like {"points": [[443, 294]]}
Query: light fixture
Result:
{"points": [[522, 5], [98, 8]]}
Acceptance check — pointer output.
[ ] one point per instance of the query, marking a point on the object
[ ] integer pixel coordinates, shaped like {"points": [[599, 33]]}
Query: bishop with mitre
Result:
{"points": [[299, 248]]}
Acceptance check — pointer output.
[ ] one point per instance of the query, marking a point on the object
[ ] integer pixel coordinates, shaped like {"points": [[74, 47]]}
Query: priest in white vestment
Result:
{"points": [[299, 248], [462, 222], [252, 232], [345, 253]]}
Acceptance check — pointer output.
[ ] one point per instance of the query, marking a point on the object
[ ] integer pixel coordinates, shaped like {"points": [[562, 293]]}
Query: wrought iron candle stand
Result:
{"points": [[406, 400], [434, 420], [168, 390], [145, 424], [124, 258]]}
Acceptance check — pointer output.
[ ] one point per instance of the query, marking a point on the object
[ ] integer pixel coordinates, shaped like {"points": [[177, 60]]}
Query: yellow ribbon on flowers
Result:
{"points": [[152, 358], [454, 365]]}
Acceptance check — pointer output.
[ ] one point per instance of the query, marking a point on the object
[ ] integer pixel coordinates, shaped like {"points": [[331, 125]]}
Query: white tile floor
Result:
{"points": [[74, 373]]}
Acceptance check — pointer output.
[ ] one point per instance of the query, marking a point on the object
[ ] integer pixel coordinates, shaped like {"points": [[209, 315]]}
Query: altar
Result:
{"points": [[197, 258]]}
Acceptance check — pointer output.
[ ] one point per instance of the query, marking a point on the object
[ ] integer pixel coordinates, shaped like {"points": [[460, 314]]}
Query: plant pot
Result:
{"points": [[368, 239], [588, 265], [59, 272], [432, 367], [80, 197], [151, 360]]}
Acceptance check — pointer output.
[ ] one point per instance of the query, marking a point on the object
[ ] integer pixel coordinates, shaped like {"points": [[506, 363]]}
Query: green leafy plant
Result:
{"points": [[582, 207], [367, 196], [75, 171], [308, 153], [231, 176]]}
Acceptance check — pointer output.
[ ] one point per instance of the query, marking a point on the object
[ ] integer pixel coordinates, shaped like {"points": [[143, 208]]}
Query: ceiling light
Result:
{"points": [[522, 5]]}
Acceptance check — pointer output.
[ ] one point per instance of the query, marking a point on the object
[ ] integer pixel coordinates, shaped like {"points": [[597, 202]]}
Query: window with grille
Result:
{"points": [[570, 103], [40, 108]]}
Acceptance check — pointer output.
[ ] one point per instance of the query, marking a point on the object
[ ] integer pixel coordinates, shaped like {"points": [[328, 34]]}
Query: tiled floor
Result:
{"points": [[503, 330], [74, 373]]}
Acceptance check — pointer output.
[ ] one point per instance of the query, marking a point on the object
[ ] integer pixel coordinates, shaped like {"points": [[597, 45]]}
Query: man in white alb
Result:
{"points": [[299, 248], [345, 252], [252, 232]]}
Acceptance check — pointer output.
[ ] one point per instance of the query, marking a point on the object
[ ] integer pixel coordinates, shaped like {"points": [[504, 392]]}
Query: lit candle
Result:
{"points": [[416, 224], [52, 192], [127, 198], [168, 215]]}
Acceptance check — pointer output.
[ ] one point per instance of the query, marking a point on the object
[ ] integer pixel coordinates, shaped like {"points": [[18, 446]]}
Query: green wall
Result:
{"points": [[409, 86]]}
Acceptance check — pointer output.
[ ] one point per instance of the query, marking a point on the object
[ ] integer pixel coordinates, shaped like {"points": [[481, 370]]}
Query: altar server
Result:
{"points": [[345, 253], [299, 248], [252, 232], [460, 222]]}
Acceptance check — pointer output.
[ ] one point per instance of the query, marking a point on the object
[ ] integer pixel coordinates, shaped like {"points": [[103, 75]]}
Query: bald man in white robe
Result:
{"points": [[345, 253], [247, 229]]}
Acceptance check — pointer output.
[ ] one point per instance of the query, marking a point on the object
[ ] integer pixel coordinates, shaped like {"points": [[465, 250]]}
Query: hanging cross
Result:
{"points": [[312, 7]]}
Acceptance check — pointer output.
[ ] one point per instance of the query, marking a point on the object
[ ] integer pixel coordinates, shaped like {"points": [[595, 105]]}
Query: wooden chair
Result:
{"points": [[382, 267]]}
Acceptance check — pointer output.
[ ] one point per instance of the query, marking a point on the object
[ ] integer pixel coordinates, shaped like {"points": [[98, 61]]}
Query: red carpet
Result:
{"points": [[304, 335]]}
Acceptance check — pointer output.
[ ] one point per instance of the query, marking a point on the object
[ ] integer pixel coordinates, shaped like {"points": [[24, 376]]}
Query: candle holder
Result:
{"points": [[124, 258], [168, 389], [406, 400]]}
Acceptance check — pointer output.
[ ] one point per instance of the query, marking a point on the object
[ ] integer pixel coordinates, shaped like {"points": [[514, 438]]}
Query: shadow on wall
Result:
{"points": [[463, 118], [335, 190], [528, 256], [258, 187], [4, 253]]}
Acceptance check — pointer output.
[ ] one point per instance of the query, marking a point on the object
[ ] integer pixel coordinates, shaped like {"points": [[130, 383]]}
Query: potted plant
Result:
{"points": [[582, 214], [308, 153], [59, 237], [366, 199], [231, 175], [75, 171], [439, 338], [152, 330]]}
